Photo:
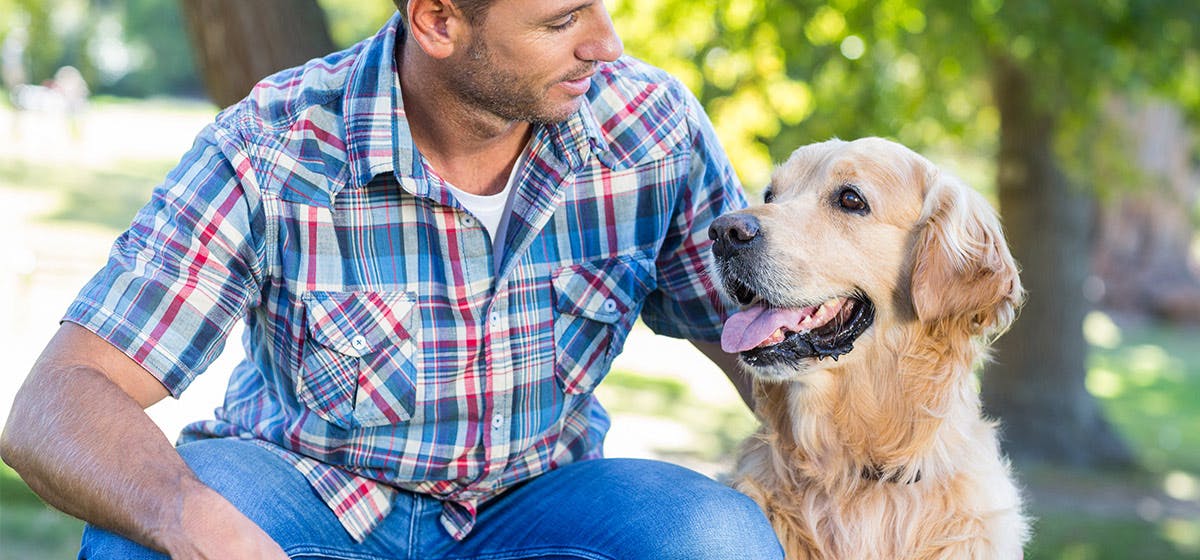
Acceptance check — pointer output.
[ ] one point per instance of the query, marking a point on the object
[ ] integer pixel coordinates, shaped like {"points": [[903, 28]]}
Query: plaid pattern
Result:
{"points": [[384, 349]]}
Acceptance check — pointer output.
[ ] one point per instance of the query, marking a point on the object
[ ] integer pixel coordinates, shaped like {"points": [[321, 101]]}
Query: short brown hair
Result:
{"points": [[473, 10]]}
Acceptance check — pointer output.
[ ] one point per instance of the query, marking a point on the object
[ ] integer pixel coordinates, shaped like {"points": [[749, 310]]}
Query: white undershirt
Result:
{"points": [[492, 210]]}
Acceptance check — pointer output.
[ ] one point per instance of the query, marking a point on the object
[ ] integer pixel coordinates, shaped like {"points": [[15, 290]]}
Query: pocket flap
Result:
{"points": [[602, 290], [357, 323]]}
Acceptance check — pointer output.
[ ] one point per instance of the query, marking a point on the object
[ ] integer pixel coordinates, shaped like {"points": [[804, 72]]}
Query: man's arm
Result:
{"points": [[728, 364], [79, 436]]}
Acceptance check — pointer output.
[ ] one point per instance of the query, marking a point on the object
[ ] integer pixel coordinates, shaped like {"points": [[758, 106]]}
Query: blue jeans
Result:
{"points": [[600, 509]]}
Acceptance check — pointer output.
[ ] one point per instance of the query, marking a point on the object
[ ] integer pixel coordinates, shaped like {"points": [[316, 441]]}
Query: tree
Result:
{"points": [[237, 43], [1020, 79]]}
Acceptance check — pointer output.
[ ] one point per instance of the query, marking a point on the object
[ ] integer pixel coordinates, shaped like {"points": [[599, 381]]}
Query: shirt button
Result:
{"points": [[610, 305], [497, 421], [468, 220], [494, 318], [359, 342]]}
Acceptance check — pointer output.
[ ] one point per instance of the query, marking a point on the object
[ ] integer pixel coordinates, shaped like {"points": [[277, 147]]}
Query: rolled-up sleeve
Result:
{"points": [[186, 270]]}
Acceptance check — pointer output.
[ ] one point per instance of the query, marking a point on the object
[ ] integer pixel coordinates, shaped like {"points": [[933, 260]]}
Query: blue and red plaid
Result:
{"points": [[384, 349]]}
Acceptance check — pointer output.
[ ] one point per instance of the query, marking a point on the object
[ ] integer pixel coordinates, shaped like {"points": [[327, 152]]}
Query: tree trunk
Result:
{"points": [[239, 42], [1036, 385]]}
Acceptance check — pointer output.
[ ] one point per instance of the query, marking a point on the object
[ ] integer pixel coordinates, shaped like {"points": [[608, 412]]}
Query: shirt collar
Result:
{"points": [[377, 134]]}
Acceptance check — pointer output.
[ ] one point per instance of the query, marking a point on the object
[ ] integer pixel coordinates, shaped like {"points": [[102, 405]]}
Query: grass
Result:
{"points": [[1147, 378], [106, 197], [28, 528], [1149, 384], [1067, 536]]}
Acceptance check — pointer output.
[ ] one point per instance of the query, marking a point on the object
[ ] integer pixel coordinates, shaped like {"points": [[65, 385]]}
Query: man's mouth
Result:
{"points": [[578, 83], [764, 334]]}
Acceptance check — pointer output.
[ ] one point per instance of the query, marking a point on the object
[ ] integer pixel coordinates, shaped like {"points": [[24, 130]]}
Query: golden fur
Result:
{"points": [[903, 404]]}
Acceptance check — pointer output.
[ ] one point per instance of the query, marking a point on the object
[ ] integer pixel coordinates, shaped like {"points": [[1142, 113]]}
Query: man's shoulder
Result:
{"points": [[292, 125], [278, 101]]}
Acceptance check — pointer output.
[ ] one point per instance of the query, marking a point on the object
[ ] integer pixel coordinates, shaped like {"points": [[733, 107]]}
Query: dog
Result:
{"points": [[869, 286]]}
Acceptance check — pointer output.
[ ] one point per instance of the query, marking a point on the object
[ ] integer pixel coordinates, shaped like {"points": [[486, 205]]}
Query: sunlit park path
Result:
{"points": [[68, 187]]}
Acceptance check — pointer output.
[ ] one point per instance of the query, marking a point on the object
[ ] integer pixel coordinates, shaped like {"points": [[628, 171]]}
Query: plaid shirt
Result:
{"points": [[384, 348]]}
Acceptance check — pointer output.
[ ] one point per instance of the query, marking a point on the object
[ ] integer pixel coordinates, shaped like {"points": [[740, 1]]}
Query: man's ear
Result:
{"points": [[438, 26]]}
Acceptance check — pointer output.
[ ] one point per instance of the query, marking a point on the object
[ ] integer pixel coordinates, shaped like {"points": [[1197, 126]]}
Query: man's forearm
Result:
{"points": [[89, 449]]}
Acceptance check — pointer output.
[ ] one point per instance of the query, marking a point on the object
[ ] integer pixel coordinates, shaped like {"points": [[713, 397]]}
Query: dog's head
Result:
{"points": [[853, 238]]}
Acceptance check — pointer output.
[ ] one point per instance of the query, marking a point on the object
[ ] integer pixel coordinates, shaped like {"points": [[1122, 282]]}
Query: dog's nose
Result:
{"points": [[733, 233]]}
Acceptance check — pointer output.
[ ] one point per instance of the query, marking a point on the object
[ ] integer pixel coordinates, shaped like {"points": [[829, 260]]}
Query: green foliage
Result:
{"points": [[777, 74], [350, 21], [129, 48], [140, 48], [33, 18], [155, 30]]}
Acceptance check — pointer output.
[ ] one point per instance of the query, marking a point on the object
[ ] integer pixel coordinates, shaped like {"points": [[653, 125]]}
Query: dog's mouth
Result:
{"points": [[765, 334]]}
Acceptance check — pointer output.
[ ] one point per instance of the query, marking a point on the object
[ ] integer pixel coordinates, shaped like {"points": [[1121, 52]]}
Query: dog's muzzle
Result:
{"points": [[764, 332]]}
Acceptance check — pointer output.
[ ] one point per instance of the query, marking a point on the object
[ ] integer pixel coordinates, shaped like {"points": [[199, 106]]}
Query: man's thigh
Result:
{"points": [[621, 509], [273, 494]]}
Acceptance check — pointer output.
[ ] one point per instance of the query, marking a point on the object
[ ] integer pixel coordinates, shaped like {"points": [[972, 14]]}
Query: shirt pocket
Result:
{"points": [[596, 304], [358, 365]]}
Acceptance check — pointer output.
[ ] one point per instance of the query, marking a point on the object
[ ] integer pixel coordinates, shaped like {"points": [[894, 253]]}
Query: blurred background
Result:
{"points": [[1078, 120]]}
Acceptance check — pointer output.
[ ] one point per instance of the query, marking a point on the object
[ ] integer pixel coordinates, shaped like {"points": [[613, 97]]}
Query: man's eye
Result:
{"points": [[564, 23]]}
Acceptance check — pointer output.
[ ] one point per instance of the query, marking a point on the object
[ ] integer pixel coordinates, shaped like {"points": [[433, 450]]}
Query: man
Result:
{"points": [[438, 239]]}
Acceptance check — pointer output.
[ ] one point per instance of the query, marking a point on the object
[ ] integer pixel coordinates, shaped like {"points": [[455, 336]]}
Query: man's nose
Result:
{"points": [[604, 45]]}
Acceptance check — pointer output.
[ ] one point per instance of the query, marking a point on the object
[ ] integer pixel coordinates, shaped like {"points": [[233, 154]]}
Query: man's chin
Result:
{"points": [[559, 113]]}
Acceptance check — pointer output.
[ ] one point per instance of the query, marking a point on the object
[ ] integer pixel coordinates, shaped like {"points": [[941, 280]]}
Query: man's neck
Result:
{"points": [[470, 148]]}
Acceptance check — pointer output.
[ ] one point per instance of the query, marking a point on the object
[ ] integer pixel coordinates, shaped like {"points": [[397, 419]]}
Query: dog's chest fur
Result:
{"points": [[834, 488]]}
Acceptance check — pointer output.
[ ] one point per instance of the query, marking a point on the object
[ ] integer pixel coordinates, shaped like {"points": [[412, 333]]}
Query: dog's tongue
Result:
{"points": [[748, 328]]}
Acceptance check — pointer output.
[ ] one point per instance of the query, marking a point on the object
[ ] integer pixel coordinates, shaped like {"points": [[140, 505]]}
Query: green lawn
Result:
{"points": [[30, 530]]}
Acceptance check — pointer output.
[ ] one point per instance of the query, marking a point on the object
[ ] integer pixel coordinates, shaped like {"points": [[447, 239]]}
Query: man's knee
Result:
{"points": [[683, 514], [721, 523]]}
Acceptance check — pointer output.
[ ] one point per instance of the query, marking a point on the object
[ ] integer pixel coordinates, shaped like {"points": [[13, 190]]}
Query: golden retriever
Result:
{"points": [[866, 254]]}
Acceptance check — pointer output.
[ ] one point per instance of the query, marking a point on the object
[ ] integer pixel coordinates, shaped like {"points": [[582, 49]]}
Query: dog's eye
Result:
{"points": [[851, 200], [768, 196]]}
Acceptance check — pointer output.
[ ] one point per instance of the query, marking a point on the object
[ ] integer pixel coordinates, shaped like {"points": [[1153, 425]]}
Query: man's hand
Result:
{"points": [[213, 529]]}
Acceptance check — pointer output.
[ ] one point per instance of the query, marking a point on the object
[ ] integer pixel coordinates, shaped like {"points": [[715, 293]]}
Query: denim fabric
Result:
{"points": [[596, 509]]}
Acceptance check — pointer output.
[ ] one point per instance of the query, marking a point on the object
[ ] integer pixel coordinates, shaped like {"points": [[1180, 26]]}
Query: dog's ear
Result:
{"points": [[962, 267]]}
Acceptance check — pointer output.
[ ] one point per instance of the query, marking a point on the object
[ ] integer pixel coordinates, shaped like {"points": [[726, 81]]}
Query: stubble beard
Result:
{"points": [[486, 85]]}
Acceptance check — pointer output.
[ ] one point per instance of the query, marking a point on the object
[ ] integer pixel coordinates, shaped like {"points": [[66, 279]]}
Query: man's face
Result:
{"points": [[532, 60]]}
